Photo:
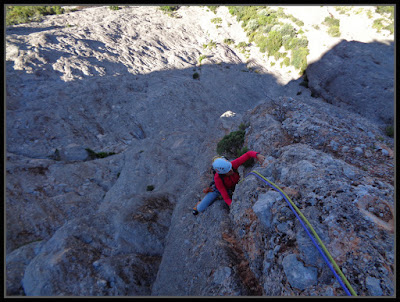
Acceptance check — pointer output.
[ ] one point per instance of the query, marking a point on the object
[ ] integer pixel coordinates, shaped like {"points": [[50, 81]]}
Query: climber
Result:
{"points": [[225, 179]]}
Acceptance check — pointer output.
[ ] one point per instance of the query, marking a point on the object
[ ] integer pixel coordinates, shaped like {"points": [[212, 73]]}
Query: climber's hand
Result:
{"points": [[260, 158]]}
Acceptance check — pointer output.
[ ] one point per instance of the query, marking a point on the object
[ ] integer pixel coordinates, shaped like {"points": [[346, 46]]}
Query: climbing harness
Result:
{"points": [[349, 290]]}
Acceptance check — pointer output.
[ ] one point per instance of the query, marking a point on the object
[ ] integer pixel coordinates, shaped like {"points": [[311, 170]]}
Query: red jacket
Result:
{"points": [[229, 182]]}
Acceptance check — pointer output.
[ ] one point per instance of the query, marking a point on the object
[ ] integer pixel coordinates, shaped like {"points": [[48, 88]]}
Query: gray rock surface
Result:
{"points": [[299, 276], [357, 75], [121, 225], [332, 190]]}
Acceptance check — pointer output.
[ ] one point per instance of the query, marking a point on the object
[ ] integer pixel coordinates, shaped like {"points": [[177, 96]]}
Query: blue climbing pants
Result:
{"points": [[208, 199]]}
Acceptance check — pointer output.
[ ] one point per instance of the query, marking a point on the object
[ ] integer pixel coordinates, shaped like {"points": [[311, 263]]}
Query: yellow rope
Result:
{"points": [[314, 233]]}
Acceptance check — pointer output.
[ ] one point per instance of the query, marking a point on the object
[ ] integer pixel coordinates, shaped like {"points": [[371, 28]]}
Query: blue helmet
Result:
{"points": [[222, 165]]}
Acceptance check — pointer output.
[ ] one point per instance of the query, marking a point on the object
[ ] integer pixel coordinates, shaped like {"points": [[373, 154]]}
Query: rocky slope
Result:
{"points": [[122, 82]]}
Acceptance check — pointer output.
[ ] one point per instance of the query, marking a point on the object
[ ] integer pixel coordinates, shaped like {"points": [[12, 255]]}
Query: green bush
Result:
{"points": [[196, 76], [287, 29], [263, 26], [279, 55], [170, 11], [210, 45], [229, 41], [252, 25], [302, 42], [253, 35], [242, 151], [261, 42], [26, 14], [216, 20], [273, 42], [262, 20], [299, 58], [390, 28], [231, 143], [169, 8], [201, 58], [242, 45], [213, 8], [334, 26], [389, 131], [334, 31], [114, 7], [378, 25], [267, 28], [344, 10], [94, 155], [385, 10], [243, 126], [264, 12], [330, 21], [286, 61], [272, 19], [243, 13], [294, 43], [286, 42], [299, 23]]}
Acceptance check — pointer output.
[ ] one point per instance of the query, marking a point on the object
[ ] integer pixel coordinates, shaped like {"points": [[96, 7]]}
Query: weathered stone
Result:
{"points": [[262, 207], [121, 225], [297, 274], [351, 75], [373, 286]]}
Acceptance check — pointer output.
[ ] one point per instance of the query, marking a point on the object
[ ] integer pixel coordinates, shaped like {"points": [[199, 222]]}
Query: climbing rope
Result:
{"points": [[349, 290]]}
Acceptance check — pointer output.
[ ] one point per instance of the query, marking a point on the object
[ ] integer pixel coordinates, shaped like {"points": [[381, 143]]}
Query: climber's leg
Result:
{"points": [[207, 200]]}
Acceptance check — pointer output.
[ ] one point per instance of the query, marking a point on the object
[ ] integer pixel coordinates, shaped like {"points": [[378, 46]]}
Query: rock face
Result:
{"points": [[348, 206], [357, 75], [109, 145]]}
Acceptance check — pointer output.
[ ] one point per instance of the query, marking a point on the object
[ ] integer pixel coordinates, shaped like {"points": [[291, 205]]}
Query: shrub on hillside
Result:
{"points": [[94, 155], [252, 25], [286, 62], [25, 14], [264, 12], [273, 42], [243, 13], [294, 43], [267, 28], [334, 31], [232, 144], [299, 58], [169, 8], [216, 20], [262, 20], [334, 26], [389, 130], [242, 45], [287, 29], [213, 8], [261, 41], [330, 21], [385, 10]]}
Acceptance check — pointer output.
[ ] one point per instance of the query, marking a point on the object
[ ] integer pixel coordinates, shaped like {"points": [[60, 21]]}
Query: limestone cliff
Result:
{"points": [[111, 125]]}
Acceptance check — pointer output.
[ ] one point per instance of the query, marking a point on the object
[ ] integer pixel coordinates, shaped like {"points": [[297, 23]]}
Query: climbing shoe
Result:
{"points": [[195, 212]]}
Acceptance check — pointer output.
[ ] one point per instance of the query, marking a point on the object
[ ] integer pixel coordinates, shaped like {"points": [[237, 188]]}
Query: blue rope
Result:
{"points": [[309, 235]]}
